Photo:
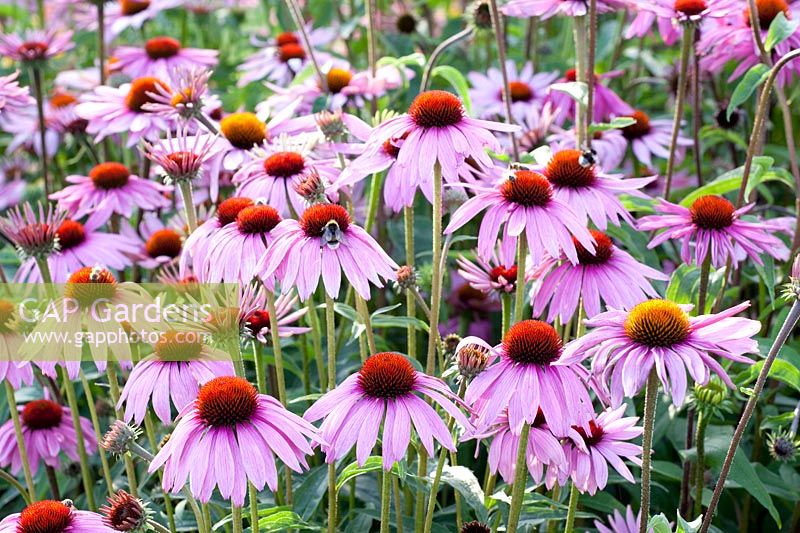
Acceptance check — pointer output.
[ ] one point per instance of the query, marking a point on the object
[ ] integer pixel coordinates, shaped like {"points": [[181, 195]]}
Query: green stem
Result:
{"points": [[36, 77], [419, 502], [236, 518], [411, 305], [505, 301], [86, 474], [130, 467], [279, 373], [151, 438], [519, 287], [332, 498], [87, 391], [44, 270], [188, 204], [702, 297], [374, 200], [552, 525], [316, 342], [26, 466], [11, 480], [686, 49], [650, 396], [444, 45], [436, 276], [386, 504], [258, 360], [398, 504], [500, 41], [253, 494], [581, 128], [700, 469], [520, 480], [330, 332], [572, 509], [363, 310]]}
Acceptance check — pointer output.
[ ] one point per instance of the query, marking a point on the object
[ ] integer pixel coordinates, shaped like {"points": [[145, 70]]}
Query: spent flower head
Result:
{"points": [[125, 512], [34, 233], [783, 446]]}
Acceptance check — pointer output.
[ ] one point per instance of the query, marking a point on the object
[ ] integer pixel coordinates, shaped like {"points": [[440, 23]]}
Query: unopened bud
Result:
{"points": [[472, 355], [331, 124], [118, 439], [406, 277], [783, 446], [312, 188]]}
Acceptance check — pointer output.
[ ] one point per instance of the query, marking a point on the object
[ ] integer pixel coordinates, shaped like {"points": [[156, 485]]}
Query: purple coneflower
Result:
{"points": [[619, 523], [325, 242], [545, 9], [384, 392], [713, 227], [13, 98], [590, 450], [610, 275], [256, 319], [158, 244], [609, 146], [498, 274], [125, 14], [125, 513], [54, 517], [159, 57], [35, 45], [650, 138], [625, 346], [669, 14], [186, 98], [229, 436], [115, 110], [527, 90], [33, 233], [524, 201], [48, 431], [180, 363], [437, 128], [528, 378], [108, 189]]}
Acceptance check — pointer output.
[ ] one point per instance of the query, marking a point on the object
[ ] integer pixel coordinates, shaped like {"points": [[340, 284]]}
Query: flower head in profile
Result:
{"points": [[670, 14], [124, 512], [545, 9], [497, 275], [325, 242], [385, 393], [524, 201], [229, 437], [35, 45], [610, 275], [48, 432], [160, 57], [624, 346], [13, 98], [591, 450], [54, 517], [185, 98], [526, 379], [33, 233], [182, 157], [713, 227]]}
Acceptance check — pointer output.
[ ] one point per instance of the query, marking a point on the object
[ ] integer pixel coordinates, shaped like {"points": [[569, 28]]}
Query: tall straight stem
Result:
{"points": [[520, 480], [411, 304], [101, 40], [699, 471], [316, 343], [500, 39], [687, 44], [279, 373], [780, 340], [386, 503], [330, 327], [297, 16], [581, 128], [188, 204], [572, 509], [236, 519], [333, 502], [87, 391], [36, 76], [86, 474], [26, 466], [519, 286], [590, 78], [130, 467], [702, 297], [436, 279], [650, 396]]}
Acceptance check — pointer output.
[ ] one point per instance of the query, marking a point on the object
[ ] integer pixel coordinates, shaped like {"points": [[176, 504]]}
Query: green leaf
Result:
{"points": [[464, 481], [659, 524], [282, 519], [683, 279], [454, 77], [782, 370], [351, 471], [780, 29], [750, 82], [617, 123], [310, 491], [688, 527], [578, 90], [732, 180]]}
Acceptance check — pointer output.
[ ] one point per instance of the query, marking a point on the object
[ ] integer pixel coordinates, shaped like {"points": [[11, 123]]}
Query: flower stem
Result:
{"points": [[505, 302], [520, 480], [500, 39], [130, 467], [780, 340], [86, 474], [87, 391], [444, 45], [419, 504], [316, 342], [411, 306], [236, 518], [436, 276], [188, 204], [590, 59], [650, 396], [686, 51], [332, 498], [205, 121], [101, 41], [151, 437], [11, 480], [36, 77], [386, 497], [44, 270], [297, 16], [519, 286], [699, 471], [258, 360], [253, 496], [702, 296], [572, 509], [581, 128], [26, 466], [374, 200], [330, 333], [363, 310]]}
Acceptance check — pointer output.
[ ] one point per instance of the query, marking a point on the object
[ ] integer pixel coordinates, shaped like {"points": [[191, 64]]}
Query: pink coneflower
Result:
{"points": [[545, 9], [625, 345], [159, 244], [231, 420], [537, 124], [609, 146], [159, 57], [195, 248], [55, 517], [731, 40], [607, 104], [610, 275], [524, 201], [184, 158], [16, 373], [13, 98], [81, 245], [670, 14], [110, 188], [35, 45], [590, 450], [124, 14], [180, 363], [544, 449], [465, 298], [235, 250], [527, 89], [619, 523], [527, 378], [256, 319], [713, 226], [385, 392], [588, 191], [283, 57], [48, 431], [115, 110], [187, 96], [498, 274], [125, 513], [276, 169], [437, 128], [33, 233], [650, 138], [325, 242]]}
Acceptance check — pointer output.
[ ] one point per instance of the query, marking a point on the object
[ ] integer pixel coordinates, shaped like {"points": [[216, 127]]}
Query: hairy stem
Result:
{"points": [[520, 480], [686, 50], [444, 45], [500, 39], [26, 466], [436, 276], [650, 396], [572, 509]]}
